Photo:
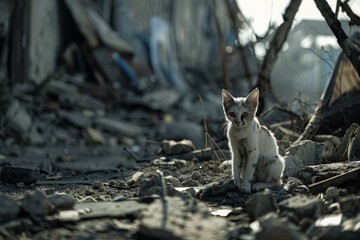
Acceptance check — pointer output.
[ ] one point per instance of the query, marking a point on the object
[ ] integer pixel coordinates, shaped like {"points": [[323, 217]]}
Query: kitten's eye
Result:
{"points": [[244, 114], [232, 114]]}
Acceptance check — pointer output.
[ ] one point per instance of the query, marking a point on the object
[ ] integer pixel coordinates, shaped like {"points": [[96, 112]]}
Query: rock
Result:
{"points": [[36, 204], [119, 127], [188, 219], [9, 209], [308, 151], [18, 118], [303, 206], [219, 187], [135, 179], [170, 147], [294, 186], [94, 136], [152, 185], [196, 175], [332, 193], [173, 180], [293, 166], [13, 174], [96, 184], [260, 204], [190, 183], [350, 205], [62, 201], [45, 167]]}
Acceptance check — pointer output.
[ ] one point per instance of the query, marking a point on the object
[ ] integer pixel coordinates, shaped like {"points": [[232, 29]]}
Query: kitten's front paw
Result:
{"points": [[245, 188]]}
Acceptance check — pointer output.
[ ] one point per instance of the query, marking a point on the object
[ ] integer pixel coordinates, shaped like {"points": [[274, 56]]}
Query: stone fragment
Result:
{"points": [[135, 179], [170, 147], [260, 203], [173, 180], [308, 151], [36, 204], [219, 187], [294, 186], [94, 136], [9, 208], [196, 175], [303, 206], [293, 166], [350, 205], [62, 201], [18, 118], [185, 219], [332, 193], [75, 118], [190, 183], [13, 174]]}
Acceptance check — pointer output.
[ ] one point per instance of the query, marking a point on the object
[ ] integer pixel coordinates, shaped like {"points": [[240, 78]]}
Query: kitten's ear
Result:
{"points": [[227, 98], [253, 98]]}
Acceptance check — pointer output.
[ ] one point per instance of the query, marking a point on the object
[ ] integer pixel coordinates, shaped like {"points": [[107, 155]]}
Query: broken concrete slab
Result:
{"points": [[303, 206], [260, 203], [293, 166], [14, 174], [216, 188], [308, 151], [171, 220]]}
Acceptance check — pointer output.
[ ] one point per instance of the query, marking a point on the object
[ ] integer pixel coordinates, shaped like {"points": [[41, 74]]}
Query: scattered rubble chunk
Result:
{"points": [[62, 201], [173, 180], [9, 208], [260, 203], [36, 204], [175, 222], [94, 136], [190, 183], [308, 151], [350, 205], [13, 174], [219, 187], [332, 193], [170, 147], [293, 166], [294, 186], [18, 118], [135, 179], [303, 206]]}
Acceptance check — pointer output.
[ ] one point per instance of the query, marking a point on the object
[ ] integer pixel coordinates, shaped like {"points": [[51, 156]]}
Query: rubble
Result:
{"points": [[9, 209], [260, 203], [13, 174], [36, 204]]}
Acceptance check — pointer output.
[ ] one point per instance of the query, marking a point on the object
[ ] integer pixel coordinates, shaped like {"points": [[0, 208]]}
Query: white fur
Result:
{"points": [[256, 163]]}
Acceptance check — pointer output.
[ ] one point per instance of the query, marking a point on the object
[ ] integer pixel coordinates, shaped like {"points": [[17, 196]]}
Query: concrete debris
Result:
{"points": [[62, 201], [350, 205], [173, 221], [293, 165], [173, 181], [13, 174], [303, 206], [18, 118], [259, 204], [135, 179], [310, 153], [219, 187], [170, 147], [36, 204]]}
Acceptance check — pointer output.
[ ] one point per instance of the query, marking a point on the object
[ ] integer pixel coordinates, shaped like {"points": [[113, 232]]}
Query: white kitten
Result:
{"points": [[256, 163]]}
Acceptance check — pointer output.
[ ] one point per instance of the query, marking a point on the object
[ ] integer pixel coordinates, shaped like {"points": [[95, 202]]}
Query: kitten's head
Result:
{"points": [[240, 111]]}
